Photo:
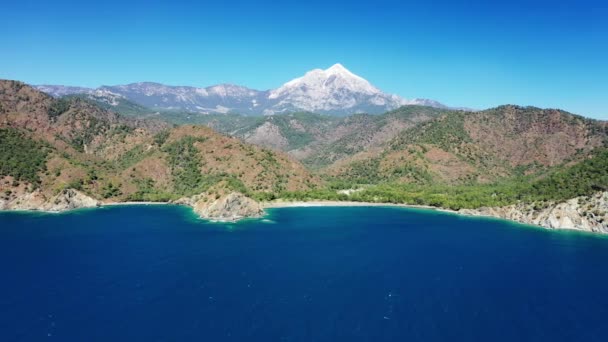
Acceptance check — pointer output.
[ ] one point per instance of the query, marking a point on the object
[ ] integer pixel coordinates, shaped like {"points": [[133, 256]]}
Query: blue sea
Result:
{"points": [[157, 273]]}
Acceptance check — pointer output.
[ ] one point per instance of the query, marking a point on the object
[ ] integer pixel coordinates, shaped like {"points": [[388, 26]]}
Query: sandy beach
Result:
{"points": [[287, 204], [134, 203], [296, 204]]}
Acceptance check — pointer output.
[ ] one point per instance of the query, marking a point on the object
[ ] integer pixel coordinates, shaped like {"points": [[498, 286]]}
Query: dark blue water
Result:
{"points": [[311, 274]]}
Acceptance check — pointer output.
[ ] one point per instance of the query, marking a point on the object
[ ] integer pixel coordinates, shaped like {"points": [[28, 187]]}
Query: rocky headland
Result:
{"points": [[36, 200], [586, 213], [232, 206]]}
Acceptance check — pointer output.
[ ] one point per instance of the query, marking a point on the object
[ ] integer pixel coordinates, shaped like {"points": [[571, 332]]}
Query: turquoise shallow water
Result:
{"points": [[156, 273]]}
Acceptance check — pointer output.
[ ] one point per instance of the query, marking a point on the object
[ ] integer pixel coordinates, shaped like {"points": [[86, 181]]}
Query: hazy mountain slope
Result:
{"points": [[222, 98], [320, 140], [88, 148], [359, 133], [287, 132], [61, 90], [118, 104], [317, 140]]}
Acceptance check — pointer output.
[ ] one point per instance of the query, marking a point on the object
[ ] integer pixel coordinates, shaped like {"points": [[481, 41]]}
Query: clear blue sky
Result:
{"points": [[463, 53]]}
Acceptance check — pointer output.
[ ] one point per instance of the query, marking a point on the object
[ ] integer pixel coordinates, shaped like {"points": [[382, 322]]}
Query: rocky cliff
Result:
{"points": [[587, 213], [227, 207], [36, 200]]}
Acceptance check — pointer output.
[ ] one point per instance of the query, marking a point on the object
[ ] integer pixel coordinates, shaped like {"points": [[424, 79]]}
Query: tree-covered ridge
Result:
{"points": [[526, 135], [298, 129], [582, 179], [446, 132], [361, 132], [21, 157], [185, 162], [468, 148]]}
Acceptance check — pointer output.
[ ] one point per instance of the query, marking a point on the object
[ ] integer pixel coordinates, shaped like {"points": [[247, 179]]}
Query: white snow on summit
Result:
{"points": [[333, 89], [319, 83]]}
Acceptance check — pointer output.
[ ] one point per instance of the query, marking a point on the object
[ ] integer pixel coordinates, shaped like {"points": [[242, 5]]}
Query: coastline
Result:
{"points": [[264, 205], [303, 204]]}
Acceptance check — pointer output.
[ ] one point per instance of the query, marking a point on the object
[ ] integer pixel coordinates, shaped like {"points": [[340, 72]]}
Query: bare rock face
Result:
{"points": [[65, 200], [23, 201], [269, 135], [587, 213], [70, 199], [228, 207]]}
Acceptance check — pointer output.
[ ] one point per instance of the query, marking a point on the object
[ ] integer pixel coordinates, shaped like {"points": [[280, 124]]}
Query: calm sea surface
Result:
{"points": [[156, 273]]}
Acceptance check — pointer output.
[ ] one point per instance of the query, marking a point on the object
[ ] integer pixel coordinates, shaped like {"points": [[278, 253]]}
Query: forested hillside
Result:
{"points": [[53, 144]]}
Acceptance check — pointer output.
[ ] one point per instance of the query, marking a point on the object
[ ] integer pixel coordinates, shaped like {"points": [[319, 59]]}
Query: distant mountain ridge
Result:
{"points": [[335, 91]]}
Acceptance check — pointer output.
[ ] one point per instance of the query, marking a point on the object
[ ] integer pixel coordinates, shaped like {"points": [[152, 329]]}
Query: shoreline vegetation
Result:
{"points": [[290, 204]]}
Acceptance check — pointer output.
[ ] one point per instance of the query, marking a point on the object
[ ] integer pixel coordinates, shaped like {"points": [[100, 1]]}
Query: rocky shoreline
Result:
{"points": [[228, 207], [233, 206], [67, 199], [585, 213]]}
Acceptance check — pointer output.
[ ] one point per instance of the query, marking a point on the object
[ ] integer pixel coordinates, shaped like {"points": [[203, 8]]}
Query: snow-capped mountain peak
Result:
{"points": [[340, 71], [333, 90], [338, 68], [318, 83]]}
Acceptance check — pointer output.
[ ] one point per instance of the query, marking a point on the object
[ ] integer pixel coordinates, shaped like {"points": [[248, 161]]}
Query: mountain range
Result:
{"points": [[335, 91], [541, 166]]}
